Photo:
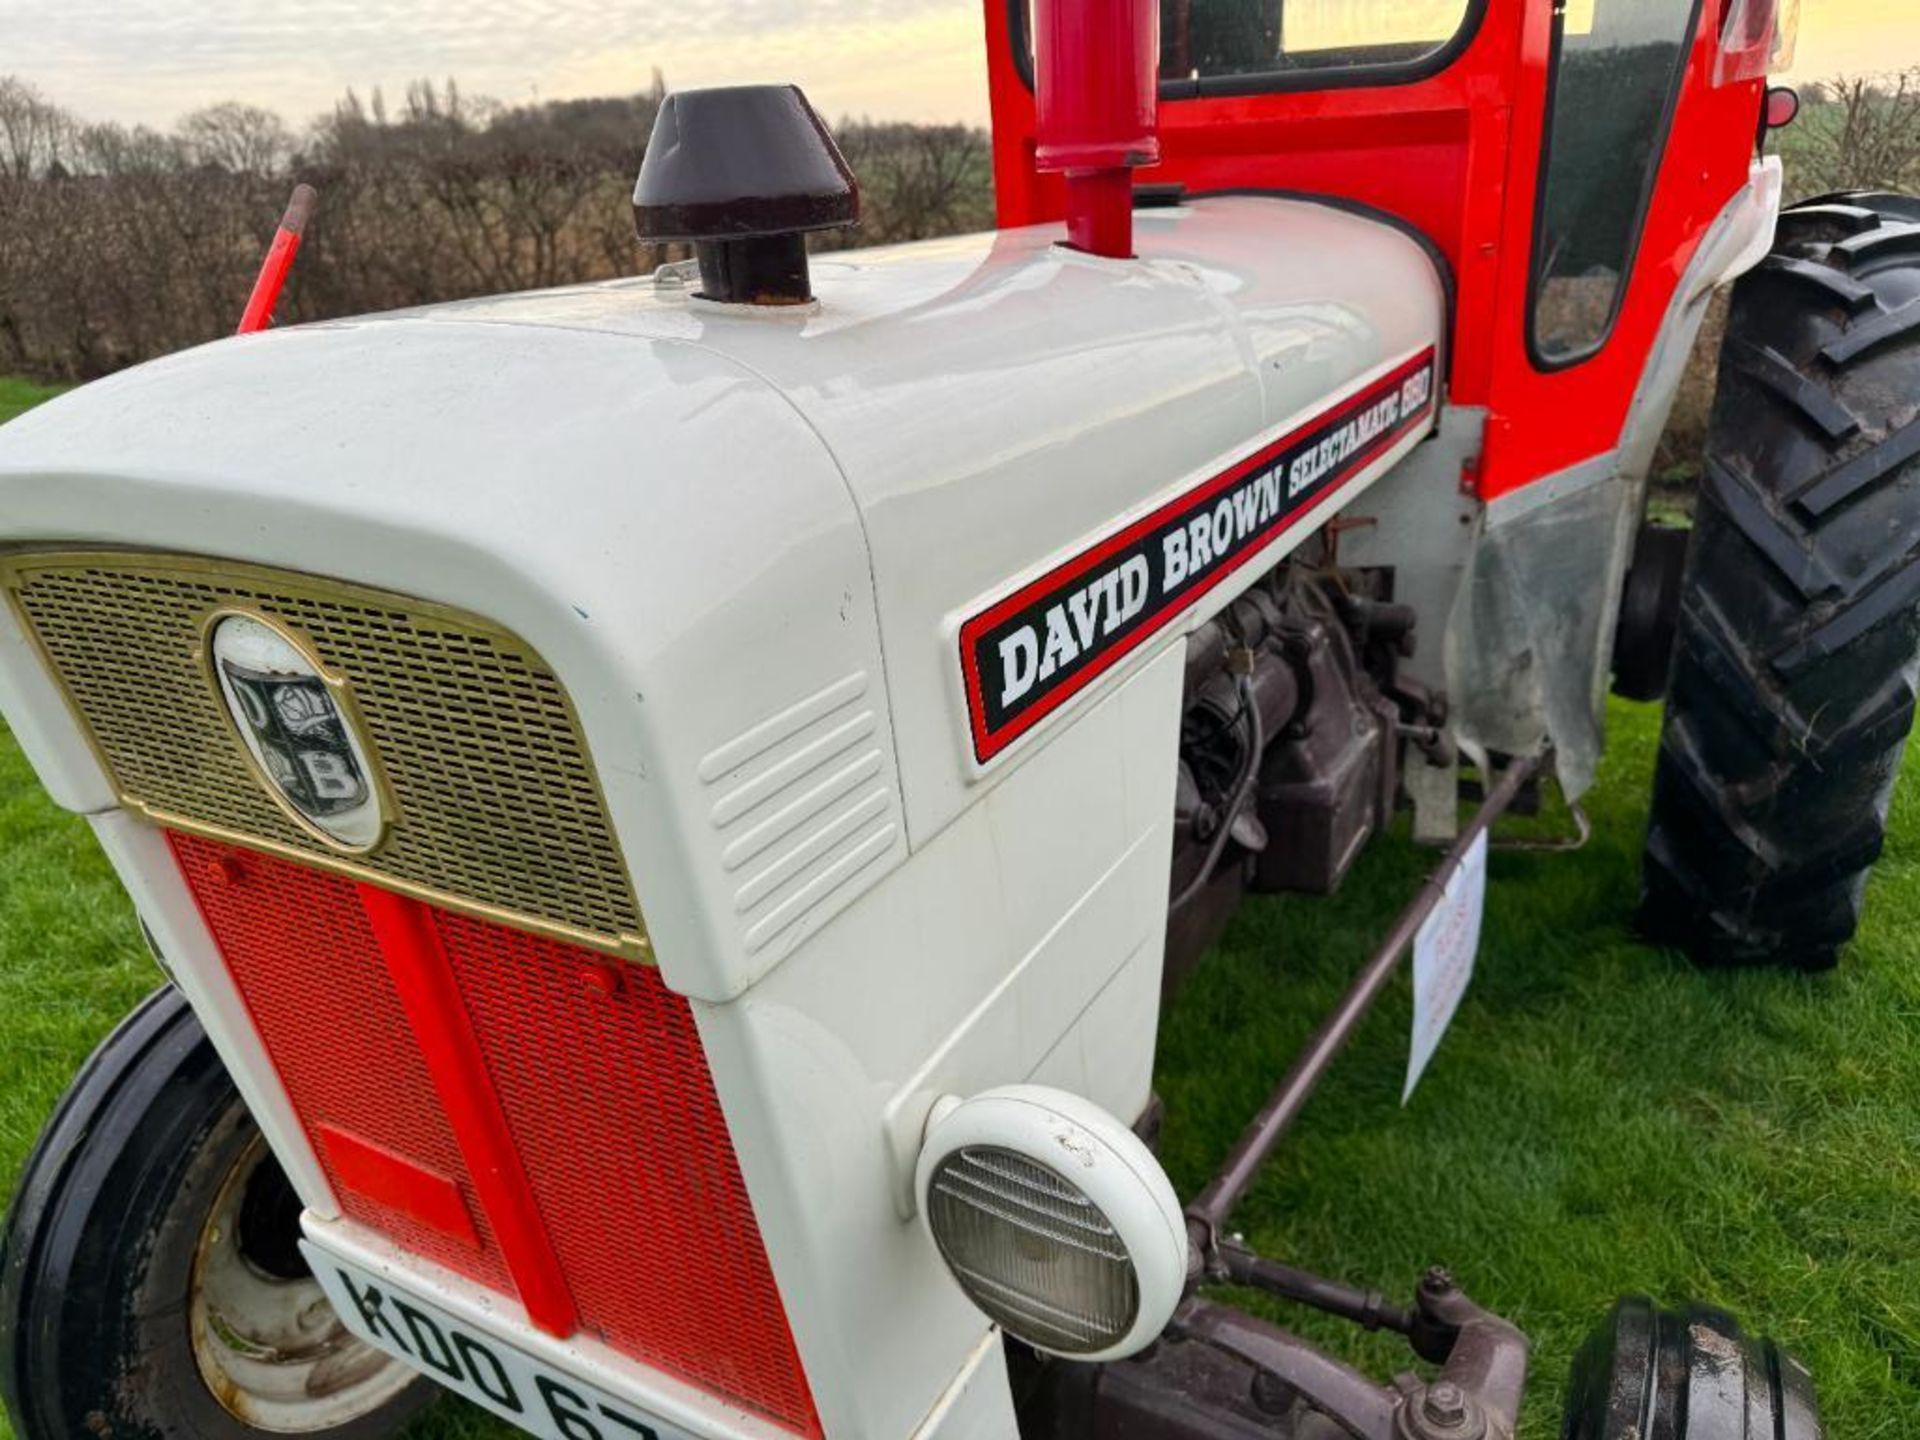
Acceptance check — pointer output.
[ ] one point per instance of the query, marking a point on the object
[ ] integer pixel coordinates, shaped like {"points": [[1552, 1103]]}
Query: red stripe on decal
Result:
{"points": [[393, 1180], [989, 740], [424, 980]]}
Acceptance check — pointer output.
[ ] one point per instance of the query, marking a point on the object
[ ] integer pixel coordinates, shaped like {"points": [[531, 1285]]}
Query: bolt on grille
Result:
{"points": [[498, 811]]}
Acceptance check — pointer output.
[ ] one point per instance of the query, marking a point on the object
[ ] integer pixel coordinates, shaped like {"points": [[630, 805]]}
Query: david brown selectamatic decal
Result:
{"points": [[1026, 654]]}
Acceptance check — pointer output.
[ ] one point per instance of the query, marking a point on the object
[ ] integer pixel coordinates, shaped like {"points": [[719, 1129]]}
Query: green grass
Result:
{"points": [[17, 396], [1602, 1119]]}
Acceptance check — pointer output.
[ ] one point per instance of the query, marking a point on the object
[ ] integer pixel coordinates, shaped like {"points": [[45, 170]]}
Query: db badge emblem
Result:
{"points": [[295, 723]]}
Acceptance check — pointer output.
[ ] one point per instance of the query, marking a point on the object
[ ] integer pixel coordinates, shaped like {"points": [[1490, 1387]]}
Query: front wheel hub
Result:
{"points": [[1652, 1374], [267, 1342]]}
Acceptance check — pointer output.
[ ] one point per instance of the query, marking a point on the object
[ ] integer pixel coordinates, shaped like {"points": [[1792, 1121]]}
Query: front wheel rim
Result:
{"points": [[266, 1339]]}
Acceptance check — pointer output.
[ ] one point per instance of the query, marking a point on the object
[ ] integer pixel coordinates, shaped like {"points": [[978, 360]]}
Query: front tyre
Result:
{"points": [[1793, 679], [150, 1285]]}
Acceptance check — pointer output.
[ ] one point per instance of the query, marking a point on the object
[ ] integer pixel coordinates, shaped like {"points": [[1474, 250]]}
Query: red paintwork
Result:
{"points": [[607, 1089], [1095, 114], [391, 1179], [269, 282], [1100, 212], [274, 269], [409, 942], [321, 999], [1457, 155]]}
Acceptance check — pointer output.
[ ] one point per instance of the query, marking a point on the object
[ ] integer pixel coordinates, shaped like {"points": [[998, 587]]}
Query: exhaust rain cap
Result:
{"points": [[743, 173]]}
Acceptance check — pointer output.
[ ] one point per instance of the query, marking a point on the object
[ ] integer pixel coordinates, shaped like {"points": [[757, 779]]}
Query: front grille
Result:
{"points": [[501, 982], [607, 1096], [304, 958], [497, 808], [613, 1110]]}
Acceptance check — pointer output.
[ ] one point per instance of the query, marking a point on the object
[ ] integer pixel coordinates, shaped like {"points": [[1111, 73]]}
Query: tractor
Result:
{"points": [[669, 809]]}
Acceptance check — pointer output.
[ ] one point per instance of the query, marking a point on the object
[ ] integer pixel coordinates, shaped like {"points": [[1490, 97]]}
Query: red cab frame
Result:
{"points": [[1453, 149]]}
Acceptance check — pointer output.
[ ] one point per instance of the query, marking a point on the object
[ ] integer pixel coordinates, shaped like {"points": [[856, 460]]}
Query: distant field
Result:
{"points": [[1603, 1118]]}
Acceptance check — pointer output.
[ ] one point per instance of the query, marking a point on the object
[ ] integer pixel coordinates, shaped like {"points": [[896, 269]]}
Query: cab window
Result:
{"points": [[1202, 40], [1614, 78]]}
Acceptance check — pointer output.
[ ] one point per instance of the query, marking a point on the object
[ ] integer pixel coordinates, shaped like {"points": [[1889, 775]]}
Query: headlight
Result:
{"points": [[1054, 1219]]}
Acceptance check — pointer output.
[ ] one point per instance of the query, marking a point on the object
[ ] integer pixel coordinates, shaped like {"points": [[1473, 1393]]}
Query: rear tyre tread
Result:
{"points": [[1823, 282], [1866, 337], [1816, 221], [1814, 403], [1785, 546], [1854, 478], [1794, 672], [1887, 242], [1893, 596], [1884, 204]]}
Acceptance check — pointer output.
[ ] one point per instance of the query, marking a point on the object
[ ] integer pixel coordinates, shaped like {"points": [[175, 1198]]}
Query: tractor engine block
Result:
{"points": [[1320, 648]]}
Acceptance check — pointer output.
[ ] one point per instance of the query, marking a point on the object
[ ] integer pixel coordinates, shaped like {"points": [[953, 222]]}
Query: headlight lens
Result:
{"points": [[1032, 1251]]}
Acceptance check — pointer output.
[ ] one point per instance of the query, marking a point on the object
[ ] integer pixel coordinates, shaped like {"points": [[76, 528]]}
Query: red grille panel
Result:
{"points": [[605, 1088], [612, 1107], [299, 947]]}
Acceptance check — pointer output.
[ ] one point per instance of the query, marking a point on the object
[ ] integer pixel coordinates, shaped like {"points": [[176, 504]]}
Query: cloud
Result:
{"points": [[149, 60]]}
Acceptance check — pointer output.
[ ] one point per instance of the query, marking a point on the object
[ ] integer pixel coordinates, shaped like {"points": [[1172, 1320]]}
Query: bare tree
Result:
{"points": [[918, 181], [1857, 132], [240, 139], [118, 243], [33, 133]]}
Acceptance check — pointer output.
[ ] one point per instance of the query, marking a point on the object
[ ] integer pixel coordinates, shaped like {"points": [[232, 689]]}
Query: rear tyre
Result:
{"points": [[1793, 681], [150, 1285]]}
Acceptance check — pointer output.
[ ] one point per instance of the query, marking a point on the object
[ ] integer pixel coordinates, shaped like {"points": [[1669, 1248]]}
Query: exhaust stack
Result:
{"points": [[744, 173], [1096, 70]]}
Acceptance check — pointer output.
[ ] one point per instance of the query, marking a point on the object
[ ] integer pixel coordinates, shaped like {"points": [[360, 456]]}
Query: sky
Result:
{"points": [[151, 61]]}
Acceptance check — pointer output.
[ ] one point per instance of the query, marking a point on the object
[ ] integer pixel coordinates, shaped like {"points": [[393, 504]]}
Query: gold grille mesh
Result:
{"points": [[496, 808]]}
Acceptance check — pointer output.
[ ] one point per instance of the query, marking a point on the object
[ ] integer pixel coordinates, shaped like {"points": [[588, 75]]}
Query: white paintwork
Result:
{"points": [[658, 524], [978, 1402], [1752, 216], [704, 519], [1102, 1159], [1022, 943], [744, 542]]}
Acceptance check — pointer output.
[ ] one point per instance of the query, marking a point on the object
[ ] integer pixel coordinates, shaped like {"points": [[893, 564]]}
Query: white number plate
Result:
{"points": [[512, 1384]]}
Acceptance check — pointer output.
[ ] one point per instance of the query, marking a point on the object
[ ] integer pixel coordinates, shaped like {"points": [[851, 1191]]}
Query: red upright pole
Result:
{"points": [[273, 270], [1096, 71]]}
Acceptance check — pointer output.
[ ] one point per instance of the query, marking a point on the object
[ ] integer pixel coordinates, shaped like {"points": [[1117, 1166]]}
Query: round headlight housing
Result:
{"points": [[1054, 1219]]}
